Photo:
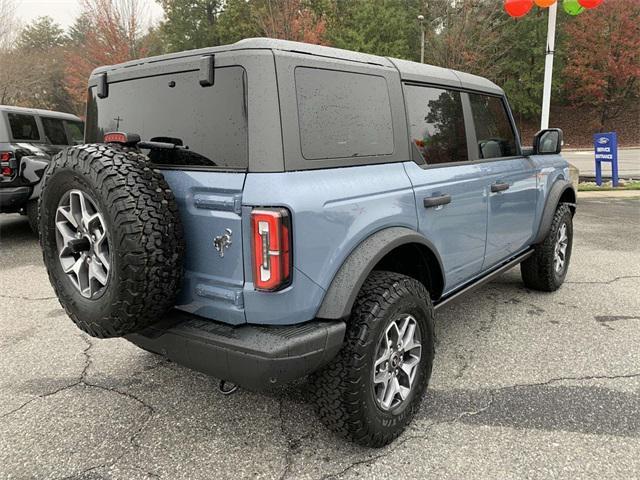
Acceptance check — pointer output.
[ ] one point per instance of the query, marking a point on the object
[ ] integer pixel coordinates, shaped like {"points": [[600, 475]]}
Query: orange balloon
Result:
{"points": [[544, 3]]}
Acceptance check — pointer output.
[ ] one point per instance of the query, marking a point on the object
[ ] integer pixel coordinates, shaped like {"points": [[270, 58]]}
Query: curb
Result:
{"points": [[610, 194]]}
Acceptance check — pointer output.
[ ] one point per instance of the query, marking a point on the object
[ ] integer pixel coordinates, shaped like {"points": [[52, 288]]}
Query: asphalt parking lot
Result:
{"points": [[525, 385]]}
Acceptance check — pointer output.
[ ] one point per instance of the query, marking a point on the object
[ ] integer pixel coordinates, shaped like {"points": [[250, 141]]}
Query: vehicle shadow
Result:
{"points": [[17, 242], [14, 228]]}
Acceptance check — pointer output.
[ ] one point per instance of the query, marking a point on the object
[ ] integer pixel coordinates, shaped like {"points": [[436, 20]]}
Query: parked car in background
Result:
{"points": [[28, 139], [270, 209]]}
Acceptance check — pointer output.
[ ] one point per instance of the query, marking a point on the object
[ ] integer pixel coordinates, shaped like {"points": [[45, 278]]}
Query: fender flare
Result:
{"points": [[553, 199], [32, 170], [341, 295]]}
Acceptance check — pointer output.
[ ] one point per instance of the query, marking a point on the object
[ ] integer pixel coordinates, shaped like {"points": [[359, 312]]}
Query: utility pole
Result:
{"points": [[421, 20], [548, 66]]}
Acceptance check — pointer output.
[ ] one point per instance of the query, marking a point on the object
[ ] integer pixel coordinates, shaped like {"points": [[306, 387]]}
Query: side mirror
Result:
{"points": [[548, 141]]}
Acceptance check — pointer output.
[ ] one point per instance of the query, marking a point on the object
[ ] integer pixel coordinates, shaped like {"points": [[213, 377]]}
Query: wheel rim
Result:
{"points": [[560, 255], [396, 362], [83, 243]]}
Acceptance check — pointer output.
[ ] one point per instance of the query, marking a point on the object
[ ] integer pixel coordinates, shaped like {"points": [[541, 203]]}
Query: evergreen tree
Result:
{"points": [[42, 35], [190, 24]]}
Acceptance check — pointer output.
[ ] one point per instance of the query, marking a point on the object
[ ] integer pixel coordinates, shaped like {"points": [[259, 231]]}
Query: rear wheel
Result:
{"points": [[371, 390], [111, 239], [547, 268]]}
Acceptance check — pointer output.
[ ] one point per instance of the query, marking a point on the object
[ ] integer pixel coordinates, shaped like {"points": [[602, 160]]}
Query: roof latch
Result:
{"points": [[206, 71], [103, 86]]}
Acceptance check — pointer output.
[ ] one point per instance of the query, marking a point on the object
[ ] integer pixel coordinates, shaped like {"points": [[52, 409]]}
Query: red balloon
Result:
{"points": [[518, 8], [589, 3]]}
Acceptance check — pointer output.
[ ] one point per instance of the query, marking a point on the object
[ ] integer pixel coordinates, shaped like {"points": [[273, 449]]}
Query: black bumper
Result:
{"points": [[13, 199], [251, 356]]}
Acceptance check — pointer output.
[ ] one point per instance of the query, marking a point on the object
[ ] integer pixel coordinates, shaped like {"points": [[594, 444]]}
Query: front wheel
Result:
{"points": [[371, 390], [547, 268]]}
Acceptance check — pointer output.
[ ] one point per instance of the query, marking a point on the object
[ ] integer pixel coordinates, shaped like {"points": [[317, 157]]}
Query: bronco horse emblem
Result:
{"points": [[223, 241]]}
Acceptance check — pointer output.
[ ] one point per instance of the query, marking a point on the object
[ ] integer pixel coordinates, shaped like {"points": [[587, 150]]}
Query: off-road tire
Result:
{"points": [[538, 272], [146, 238], [31, 211], [342, 390]]}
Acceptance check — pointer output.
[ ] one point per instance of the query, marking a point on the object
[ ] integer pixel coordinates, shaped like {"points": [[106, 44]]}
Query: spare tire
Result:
{"points": [[111, 239]]}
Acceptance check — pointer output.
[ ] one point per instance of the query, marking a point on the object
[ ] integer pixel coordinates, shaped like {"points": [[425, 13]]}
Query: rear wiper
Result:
{"points": [[160, 146]]}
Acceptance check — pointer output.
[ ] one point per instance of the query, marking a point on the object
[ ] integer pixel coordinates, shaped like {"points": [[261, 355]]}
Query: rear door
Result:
{"points": [[450, 192], [512, 181], [206, 173]]}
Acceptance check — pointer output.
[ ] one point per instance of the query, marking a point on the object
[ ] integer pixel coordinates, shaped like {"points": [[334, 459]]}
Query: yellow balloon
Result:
{"points": [[544, 3]]}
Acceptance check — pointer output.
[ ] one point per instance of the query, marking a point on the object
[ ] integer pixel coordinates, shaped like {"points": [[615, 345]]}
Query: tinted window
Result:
{"points": [[75, 131], [493, 127], [343, 114], [436, 124], [54, 131], [23, 127], [209, 122]]}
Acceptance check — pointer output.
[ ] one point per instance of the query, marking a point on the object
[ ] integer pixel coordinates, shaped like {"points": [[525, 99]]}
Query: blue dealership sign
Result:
{"points": [[606, 149]]}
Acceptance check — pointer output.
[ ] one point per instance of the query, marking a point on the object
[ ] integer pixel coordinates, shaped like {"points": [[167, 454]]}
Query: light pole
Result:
{"points": [[421, 20], [548, 66]]}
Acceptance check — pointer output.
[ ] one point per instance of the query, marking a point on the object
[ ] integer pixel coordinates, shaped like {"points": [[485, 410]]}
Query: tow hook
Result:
{"points": [[225, 389]]}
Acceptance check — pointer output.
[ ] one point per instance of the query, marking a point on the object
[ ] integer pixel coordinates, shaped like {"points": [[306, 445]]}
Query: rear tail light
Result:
{"points": [[271, 245], [6, 169]]}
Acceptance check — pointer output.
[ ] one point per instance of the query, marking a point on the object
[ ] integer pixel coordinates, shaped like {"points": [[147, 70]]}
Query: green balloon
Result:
{"points": [[572, 7]]}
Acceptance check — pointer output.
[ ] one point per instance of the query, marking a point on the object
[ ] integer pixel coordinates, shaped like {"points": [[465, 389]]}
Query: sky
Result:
{"points": [[63, 12]]}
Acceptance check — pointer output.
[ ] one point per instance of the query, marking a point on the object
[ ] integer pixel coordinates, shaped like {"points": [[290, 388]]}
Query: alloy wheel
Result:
{"points": [[396, 362], [83, 243]]}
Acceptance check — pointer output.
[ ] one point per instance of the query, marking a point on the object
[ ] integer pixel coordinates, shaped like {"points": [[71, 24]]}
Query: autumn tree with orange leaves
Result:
{"points": [[290, 20], [603, 58], [112, 32]]}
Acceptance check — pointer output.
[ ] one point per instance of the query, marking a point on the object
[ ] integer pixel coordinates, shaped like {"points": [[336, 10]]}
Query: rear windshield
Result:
{"points": [[23, 127], [209, 124]]}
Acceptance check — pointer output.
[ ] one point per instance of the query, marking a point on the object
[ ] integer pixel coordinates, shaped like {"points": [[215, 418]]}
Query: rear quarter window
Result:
{"points": [[209, 122], [23, 127], [54, 131], [343, 114]]}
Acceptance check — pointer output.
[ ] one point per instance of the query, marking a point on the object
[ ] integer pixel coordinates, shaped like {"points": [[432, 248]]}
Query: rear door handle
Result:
{"points": [[430, 202], [499, 187]]}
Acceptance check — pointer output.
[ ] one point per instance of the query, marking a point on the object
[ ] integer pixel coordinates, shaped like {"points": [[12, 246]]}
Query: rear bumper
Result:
{"points": [[13, 199], [252, 356]]}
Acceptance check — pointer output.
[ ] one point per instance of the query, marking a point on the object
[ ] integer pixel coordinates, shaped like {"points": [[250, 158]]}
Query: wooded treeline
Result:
{"points": [[597, 53]]}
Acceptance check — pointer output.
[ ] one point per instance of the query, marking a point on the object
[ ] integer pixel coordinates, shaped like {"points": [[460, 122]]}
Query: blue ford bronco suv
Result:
{"points": [[268, 210]]}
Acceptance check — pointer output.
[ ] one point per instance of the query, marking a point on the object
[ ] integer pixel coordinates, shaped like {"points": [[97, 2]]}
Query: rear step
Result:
{"points": [[251, 356]]}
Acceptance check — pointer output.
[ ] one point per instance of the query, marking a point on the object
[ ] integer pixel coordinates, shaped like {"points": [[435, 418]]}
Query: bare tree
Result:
{"points": [[115, 35], [9, 26]]}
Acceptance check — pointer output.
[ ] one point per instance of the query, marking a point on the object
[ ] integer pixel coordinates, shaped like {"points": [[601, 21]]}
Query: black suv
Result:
{"points": [[28, 139]]}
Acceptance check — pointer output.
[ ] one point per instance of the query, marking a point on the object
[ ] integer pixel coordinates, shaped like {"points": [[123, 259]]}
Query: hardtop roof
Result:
{"points": [[410, 71], [40, 112]]}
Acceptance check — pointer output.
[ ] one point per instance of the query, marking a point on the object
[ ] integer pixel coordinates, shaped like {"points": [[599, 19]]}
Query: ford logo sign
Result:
{"points": [[603, 140]]}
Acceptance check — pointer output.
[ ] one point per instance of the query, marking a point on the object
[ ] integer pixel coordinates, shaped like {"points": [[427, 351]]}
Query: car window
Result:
{"points": [[23, 127], [436, 124], [54, 131], [75, 132], [494, 133], [343, 114], [211, 124]]}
